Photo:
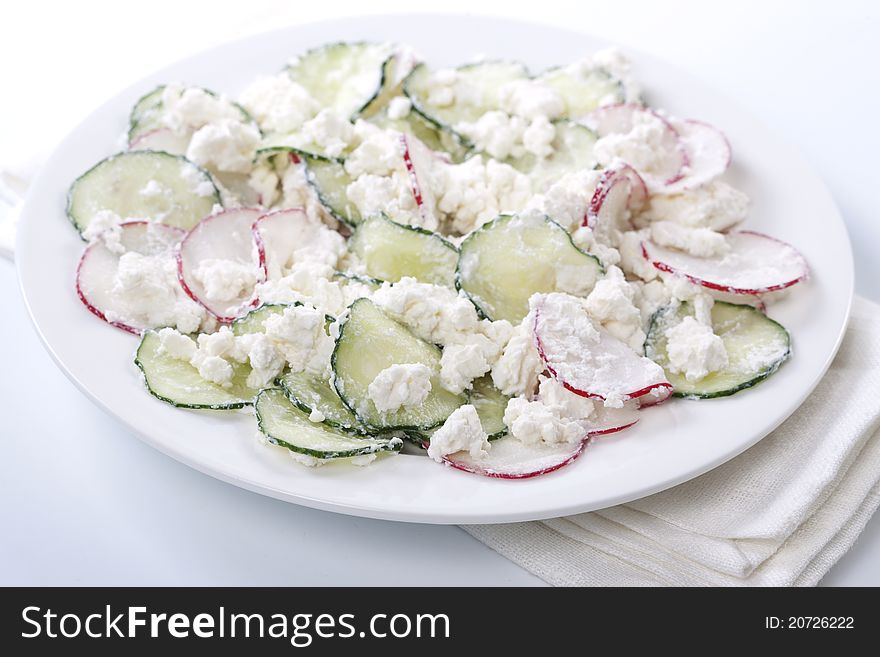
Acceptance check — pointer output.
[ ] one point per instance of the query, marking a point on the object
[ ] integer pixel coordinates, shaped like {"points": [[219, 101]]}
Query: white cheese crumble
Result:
{"points": [[700, 242], [225, 146], [694, 350], [329, 132], [462, 432], [533, 422], [644, 147], [399, 107], [400, 385], [104, 227], [151, 295], [186, 109], [501, 135], [517, 369], [530, 98], [226, 280], [278, 103], [298, 333], [611, 304], [715, 205]]}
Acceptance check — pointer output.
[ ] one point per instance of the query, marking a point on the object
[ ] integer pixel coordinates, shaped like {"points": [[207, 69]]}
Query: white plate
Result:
{"points": [[673, 443]]}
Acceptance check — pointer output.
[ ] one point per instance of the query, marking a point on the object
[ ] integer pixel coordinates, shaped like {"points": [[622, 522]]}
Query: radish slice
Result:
{"points": [[588, 360], [284, 234], [619, 190], [98, 266], [219, 263], [655, 397], [418, 160], [755, 264], [161, 139], [708, 152], [622, 119], [612, 420], [511, 459]]}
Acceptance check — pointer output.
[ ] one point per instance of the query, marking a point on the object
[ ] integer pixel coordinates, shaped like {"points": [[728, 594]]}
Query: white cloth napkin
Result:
{"points": [[780, 514]]}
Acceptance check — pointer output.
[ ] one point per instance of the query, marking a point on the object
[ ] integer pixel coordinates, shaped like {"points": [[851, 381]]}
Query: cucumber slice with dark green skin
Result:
{"points": [[115, 184], [512, 257], [345, 277], [348, 77], [146, 115], [390, 251], [329, 180], [490, 404], [370, 341], [314, 393], [255, 320], [572, 151], [178, 383], [487, 77], [435, 138], [286, 425], [756, 346], [584, 92]]}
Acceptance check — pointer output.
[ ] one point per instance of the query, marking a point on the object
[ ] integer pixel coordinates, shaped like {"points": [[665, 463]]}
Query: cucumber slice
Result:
{"points": [[437, 139], [329, 179], [572, 151], [482, 82], [756, 347], [583, 92], [255, 320], [146, 115], [116, 183], [314, 393], [178, 383], [348, 77], [490, 404], [390, 251], [146, 110], [286, 425], [512, 257], [346, 277], [369, 341]]}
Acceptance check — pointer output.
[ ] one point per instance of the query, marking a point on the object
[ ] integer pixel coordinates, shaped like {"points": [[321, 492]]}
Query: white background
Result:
{"points": [[84, 502]]}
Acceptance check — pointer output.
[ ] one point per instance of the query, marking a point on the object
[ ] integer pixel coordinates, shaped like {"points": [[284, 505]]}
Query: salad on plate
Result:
{"points": [[487, 265]]}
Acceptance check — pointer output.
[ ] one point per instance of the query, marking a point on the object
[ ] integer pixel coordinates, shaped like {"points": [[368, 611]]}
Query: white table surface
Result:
{"points": [[84, 502]]}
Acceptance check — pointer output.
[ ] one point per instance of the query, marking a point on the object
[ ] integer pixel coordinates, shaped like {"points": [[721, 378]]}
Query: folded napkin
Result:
{"points": [[780, 514]]}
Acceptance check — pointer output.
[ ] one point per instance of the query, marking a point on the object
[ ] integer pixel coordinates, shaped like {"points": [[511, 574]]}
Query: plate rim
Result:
{"points": [[418, 516]]}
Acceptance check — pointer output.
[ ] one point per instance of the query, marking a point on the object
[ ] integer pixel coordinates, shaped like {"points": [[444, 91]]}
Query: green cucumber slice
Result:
{"points": [[512, 257], [756, 347], [314, 393], [572, 151], [390, 251], [116, 183], [483, 81], [146, 115], [435, 138], [329, 179], [178, 383], [490, 404], [583, 92], [348, 77], [370, 341], [286, 425]]}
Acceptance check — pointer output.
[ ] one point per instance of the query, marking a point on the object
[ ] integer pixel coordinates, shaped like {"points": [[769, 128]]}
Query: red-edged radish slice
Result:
{"points": [[755, 264], [619, 190], [160, 139], [623, 118], [283, 233], [418, 160], [509, 458], [655, 397], [98, 266], [588, 360], [709, 154], [222, 246], [612, 420]]}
